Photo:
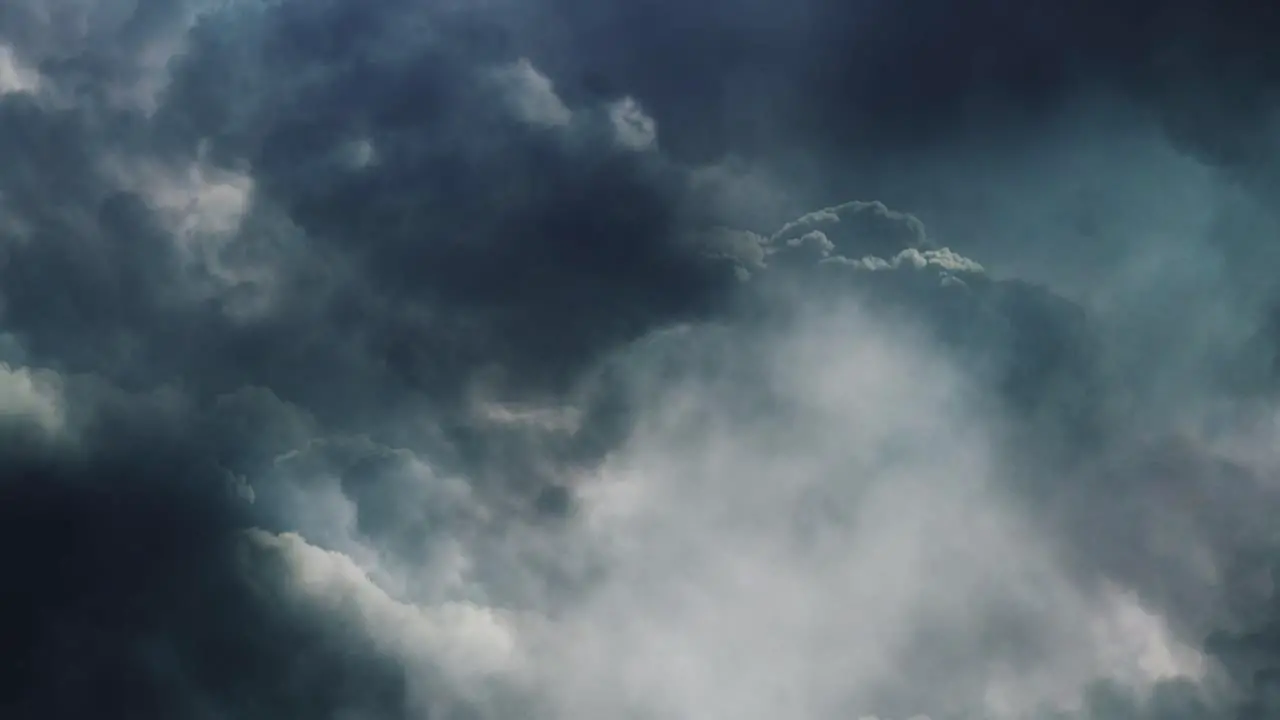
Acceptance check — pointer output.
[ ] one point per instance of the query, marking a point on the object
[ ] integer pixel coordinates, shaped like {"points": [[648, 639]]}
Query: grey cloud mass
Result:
{"points": [[668, 361]]}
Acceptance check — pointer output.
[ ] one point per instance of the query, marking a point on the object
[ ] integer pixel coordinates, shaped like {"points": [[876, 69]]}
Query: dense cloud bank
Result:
{"points": [[530, 359]]}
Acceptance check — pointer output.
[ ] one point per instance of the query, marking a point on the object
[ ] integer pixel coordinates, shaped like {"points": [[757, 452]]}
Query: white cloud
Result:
{"points": [[814, 238], [805, 539], [309, 482], [1137, 645], [134, 57], [547, 419], [28, 396], [15, 77], [196, 198], [805, 555], [860, 220], [531, 95], [746, 249], [466, 642], [943, 259], [204, 207], [632, 127], [764, 568], [801, 558], [358, 154]]}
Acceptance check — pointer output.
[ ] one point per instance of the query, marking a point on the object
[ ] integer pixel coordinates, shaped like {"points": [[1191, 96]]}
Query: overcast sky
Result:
{"points": [[639, 359]]}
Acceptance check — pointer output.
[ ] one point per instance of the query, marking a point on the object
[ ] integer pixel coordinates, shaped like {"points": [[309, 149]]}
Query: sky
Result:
{"points": [[639, 359]]}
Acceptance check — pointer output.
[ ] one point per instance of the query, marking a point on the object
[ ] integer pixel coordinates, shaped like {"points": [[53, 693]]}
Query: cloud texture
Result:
{"points": [[568, 360]]}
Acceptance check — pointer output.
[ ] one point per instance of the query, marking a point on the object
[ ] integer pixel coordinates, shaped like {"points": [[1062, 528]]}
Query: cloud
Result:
{"points": [[14, 77], [531, 94], [869, 226], [944, 259], [103, 52], [796, 560], [632, 128], [839, 554], [378, 360], [27, 397], [466, 641], [202, 207]]}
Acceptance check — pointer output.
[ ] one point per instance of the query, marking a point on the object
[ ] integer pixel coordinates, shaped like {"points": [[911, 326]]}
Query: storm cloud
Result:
{"points": [[566, 359]]}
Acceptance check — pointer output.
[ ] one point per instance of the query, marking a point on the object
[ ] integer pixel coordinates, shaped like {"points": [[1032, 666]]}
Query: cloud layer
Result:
{"points": [[573, 359]]}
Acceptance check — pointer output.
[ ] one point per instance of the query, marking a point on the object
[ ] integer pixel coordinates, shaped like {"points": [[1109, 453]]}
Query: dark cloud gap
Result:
{"points": [[132, 608], [128, 600]]}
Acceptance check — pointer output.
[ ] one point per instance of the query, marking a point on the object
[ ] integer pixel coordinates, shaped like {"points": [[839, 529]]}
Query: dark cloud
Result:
{"points": [[320, 220], [314, 315], [127, 598]]}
